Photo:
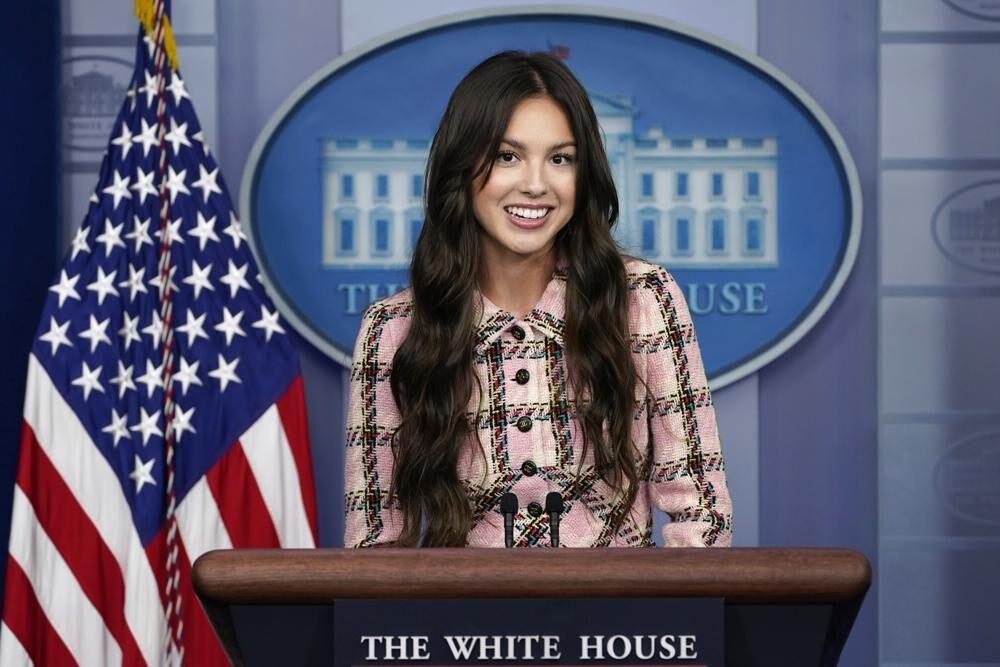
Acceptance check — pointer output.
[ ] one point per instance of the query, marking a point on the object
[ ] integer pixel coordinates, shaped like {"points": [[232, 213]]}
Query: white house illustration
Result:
{"points": [[690, 202]]}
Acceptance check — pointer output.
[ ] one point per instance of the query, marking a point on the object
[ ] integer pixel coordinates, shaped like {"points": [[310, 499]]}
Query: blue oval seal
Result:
{"points": [[728, 174]]}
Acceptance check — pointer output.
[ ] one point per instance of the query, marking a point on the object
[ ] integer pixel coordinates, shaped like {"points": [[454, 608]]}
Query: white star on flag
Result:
{"points": [[268, 322], [112, 237], [204, 231], [129, 330], [66, 288], [230, 325], [56, 335], [118, 428], [79, 243], [206, 181], [188, 374], [144, 184], [182, 422], [119, 190], [103, 285], [142, 473], [148, 425], [124, 140], [193, 328], [140, 233], [88, 380], [123, 379], [235, 278], [96, 333], [226, 372]]}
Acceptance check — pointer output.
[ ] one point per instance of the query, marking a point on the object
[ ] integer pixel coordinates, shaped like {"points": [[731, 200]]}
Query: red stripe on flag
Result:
{"points": [[201, 646], [76, 538], [292, 411], [240, 503], [24, 616]]}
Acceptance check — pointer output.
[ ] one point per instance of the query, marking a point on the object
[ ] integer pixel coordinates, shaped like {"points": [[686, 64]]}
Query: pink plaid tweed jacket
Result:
{"points": [[527, 425]]}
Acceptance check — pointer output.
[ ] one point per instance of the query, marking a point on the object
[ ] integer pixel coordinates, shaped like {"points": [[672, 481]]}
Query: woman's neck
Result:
{"points": [[516, 283]]}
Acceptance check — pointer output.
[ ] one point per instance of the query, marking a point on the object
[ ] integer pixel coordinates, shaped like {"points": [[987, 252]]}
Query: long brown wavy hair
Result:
{"points": [[433, 373]]}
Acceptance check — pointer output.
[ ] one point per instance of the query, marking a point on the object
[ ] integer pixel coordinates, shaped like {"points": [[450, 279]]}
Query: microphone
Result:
{"points": [[508, 505], [554, 507]]}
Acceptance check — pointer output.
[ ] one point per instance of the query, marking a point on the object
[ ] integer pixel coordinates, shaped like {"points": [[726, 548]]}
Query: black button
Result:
{"points": [[517, 332], [524, 424], [522, 376], [529, 468], [534, 509]]}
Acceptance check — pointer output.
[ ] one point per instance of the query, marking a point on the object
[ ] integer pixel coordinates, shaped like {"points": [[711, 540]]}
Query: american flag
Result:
{"points": [[164, 412]]}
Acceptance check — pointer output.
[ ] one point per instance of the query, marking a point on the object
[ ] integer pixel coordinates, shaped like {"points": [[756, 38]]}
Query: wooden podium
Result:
{"points": [[782, 606]]}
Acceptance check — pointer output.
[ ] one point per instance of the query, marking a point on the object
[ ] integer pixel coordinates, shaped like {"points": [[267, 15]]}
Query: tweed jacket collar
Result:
{"points": [[547, 316]]}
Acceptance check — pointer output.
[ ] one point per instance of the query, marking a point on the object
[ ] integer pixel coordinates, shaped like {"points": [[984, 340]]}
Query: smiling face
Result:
{"points": [[530, 194]]}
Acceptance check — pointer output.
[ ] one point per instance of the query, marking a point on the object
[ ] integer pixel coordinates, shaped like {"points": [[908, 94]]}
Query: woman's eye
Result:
{"points": [[501, 155], [566, 159]]}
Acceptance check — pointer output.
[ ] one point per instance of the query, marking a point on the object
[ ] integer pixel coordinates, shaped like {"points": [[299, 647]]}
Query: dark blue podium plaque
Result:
{"points": [[529, 631]]}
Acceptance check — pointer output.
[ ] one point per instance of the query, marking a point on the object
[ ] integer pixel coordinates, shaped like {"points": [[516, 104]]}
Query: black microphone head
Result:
{"points": [[508, 503], [553, 503]]}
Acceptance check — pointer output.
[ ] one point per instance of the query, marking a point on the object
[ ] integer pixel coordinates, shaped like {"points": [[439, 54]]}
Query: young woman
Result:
{"points": [[528, 355]]}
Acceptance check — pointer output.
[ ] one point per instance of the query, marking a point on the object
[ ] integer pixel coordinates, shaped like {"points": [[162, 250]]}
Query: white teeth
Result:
{"points": [[530, 214]]}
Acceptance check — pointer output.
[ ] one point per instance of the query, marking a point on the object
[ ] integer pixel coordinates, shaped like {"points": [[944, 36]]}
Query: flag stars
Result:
{"points": [[56, 335], [198, 278], [230, 325], [147, 137], [204, 230], [234, 230], [268, 322], [194, 329], [155, 329], [235, 278], [130, 329], [124, 380], [152, 378], [182, 422], [148, 426], [175, 183], [144, 185], [111, 237], [89, 380], [188, 374], [118, 190], [96, 333], [124, 140], [226, 372], [141, 474], [177, 136], [157, 281], [151, 88], [206, 182], [140, 232], [177, 88], [103, 285], [118, 428], [134, 283], [171, 232], [80, 243], [66, 287]]}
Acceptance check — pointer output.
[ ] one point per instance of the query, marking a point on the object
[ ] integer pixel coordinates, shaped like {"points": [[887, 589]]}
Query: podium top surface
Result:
{"points": [[739, 574]]}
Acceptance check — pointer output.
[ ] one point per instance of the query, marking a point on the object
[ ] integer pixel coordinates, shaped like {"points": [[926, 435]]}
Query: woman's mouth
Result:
{"points": [[527, 218]]}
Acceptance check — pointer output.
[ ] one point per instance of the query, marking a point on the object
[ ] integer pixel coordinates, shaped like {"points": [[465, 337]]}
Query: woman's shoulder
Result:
{"points": [[392, 312], [640, 272]]}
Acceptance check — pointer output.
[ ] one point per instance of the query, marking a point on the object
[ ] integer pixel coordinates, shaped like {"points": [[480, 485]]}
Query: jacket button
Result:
{"points": [[522, 376], [529, 468], [517, 332], [524, 424], [534, 509]]}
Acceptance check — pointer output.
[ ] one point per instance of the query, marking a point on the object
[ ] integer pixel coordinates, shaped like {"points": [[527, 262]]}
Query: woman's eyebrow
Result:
{"points": [[519, 146]]}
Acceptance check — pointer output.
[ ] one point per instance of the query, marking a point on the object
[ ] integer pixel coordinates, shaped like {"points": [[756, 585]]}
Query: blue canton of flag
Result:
{"points": [[157, 335]]}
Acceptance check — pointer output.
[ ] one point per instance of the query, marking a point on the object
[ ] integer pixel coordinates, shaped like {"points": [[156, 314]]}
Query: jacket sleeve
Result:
{"points": [[687, 478], [371, 517]]}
